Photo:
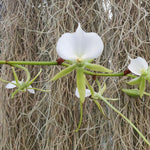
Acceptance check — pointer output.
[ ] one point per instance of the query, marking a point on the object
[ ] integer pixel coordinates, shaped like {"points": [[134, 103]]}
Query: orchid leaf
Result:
{"points": [[134, 81], [96, 67], [64, 72], [81, 84]]}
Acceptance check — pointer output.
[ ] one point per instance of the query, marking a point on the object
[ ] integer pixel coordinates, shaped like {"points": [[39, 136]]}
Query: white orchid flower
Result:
{"points": [[13, 84], [79, 46], [87, 93], [138, 66]]}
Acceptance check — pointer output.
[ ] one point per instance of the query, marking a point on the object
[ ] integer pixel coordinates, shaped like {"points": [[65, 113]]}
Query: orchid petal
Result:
{"points": [[87, 93], [79, 44], [31, 90], [11, 85], [138, 65]]}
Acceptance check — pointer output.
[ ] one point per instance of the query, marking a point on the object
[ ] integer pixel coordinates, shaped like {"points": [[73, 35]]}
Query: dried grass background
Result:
{"points": [[29, 30]]}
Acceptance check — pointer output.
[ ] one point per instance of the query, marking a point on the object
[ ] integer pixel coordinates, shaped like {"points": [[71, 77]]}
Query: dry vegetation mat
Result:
{"points": [[29, 31]]}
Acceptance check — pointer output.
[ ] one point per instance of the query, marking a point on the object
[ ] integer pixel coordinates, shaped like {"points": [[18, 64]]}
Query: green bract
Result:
{"points": [[134, 92]]}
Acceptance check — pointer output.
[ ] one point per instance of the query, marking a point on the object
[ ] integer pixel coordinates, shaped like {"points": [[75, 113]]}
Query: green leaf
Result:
{"points": [[96, 67], [81, 84], [64, 72], [132, 92], [142, 87], [134, 81]]}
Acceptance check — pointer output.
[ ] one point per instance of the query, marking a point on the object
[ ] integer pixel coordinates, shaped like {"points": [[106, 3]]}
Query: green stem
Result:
{"points": [[125, 119], [81, 114], [146, 93], [104, 74], [31, 63]]}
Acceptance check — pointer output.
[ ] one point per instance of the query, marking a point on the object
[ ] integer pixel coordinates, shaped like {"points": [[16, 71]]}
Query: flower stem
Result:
{"points": [[104, 74], [31, 62], [125, 119], [81, 114]]}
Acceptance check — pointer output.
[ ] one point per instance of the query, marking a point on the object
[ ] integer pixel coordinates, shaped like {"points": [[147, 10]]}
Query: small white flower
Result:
{"points": [[138, 66], [87, 93], [13, 84], [79, 45]]}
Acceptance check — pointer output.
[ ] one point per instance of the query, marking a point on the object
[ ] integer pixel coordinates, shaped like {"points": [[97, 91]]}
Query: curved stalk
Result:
{"points": [[81, 114], [31, 63], [104, 74], [125, 119]]}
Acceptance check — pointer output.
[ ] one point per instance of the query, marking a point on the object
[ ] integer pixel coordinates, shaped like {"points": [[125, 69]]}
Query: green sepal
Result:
{"points": [[96, 67], [81, 84], [148, 78], [103, 89], [132, 92], [89, 87], [64, 72], [100, 108], [134, 81], [34, 78], [15, 76], [142, 86]]}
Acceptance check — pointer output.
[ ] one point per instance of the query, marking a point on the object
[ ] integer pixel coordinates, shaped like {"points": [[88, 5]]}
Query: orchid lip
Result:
{"points": [[138, 66], [79, 45]]}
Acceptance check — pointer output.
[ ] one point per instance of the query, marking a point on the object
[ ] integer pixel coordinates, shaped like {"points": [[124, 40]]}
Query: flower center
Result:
{"points": [[79, 59], [143, 72]]}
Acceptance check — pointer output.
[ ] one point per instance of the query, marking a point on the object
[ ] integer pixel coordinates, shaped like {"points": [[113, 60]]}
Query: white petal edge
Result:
{"points": [[87, 93], [31, 90], [137, 65], [79, 44], [10, 85]]}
